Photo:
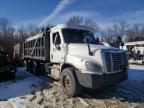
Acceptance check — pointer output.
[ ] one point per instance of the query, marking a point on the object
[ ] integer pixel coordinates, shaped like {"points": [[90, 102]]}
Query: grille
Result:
{"points": [[115, 61], [108, 61], [125, 56]]}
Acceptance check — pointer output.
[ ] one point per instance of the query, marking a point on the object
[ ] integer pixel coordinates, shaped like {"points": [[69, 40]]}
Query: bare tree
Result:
{"points": [[129, 35], [7, 33], [104, 37], [135, 32], [116, 29], [32, 29], [75, 20], [109, 34], [5, 26], [22, 33], [91, 23], [123, 27], [78, 20]]}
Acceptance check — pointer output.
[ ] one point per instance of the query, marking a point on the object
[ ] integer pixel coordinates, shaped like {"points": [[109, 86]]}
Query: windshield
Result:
{"points": [[78, 36]]}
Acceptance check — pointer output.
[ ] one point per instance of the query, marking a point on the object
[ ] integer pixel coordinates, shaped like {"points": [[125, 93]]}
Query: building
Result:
{"points": [[135, 46]]}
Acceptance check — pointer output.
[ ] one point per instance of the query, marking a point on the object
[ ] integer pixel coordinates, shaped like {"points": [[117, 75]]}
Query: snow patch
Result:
{"points": [[19, 87]]}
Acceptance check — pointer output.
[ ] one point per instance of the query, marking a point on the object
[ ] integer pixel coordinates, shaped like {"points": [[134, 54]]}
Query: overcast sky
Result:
{"points": [[41, 12]]}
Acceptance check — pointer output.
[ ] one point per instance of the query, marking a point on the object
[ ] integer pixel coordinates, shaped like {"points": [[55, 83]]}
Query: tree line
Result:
{"points": [[127, 32], [10, 35]]}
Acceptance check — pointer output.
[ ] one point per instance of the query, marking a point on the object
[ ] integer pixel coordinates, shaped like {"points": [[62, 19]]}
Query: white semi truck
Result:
{"points": [[72, 54]]}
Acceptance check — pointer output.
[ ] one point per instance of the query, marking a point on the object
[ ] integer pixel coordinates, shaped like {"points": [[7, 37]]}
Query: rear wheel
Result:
{"points": [[69, 82], [28, 66], [12, 75], [34, 68]]}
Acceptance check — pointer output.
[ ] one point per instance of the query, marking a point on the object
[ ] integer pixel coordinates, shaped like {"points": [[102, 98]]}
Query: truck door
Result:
{"points": [[56, 48]]}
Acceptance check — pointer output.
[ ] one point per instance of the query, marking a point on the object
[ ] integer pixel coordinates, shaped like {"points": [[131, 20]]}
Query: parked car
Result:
{"points": [[7, 65]]}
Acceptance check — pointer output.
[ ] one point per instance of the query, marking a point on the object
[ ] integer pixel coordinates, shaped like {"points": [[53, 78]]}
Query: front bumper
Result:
{"points": [[98, 81], [4, 69], [9, 68]]}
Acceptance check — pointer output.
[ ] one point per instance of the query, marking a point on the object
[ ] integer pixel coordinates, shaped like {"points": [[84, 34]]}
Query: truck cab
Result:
{"points": [[78, 60]]}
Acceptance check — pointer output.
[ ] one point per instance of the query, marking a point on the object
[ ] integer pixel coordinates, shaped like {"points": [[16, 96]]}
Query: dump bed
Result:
{"points": [[37, 47]]}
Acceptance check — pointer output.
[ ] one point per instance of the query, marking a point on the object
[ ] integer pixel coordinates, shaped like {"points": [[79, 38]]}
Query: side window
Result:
{"points": [[56, 39]]}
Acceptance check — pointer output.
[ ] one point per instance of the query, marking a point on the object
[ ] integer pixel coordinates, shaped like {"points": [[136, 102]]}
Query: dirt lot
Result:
{"points": [[29, 91]]}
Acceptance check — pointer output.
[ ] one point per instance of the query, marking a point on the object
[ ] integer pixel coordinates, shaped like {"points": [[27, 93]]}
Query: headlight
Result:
{"points": [[90, 66]]}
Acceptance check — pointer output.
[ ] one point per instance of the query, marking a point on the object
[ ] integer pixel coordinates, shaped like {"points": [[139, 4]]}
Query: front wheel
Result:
{"points": [[69, 82]]}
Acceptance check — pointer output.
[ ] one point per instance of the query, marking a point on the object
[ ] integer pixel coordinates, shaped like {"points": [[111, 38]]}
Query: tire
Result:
{"points": [[12, 75], [28, 66], [39, 68], [34, 68], [69, 82]]}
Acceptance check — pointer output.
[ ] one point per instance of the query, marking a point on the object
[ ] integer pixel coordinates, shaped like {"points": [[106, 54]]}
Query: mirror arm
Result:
{"points": [[90, 52]]}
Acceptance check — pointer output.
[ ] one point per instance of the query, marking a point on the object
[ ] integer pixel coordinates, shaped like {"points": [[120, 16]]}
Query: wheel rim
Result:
{"points": [[67, 82]]}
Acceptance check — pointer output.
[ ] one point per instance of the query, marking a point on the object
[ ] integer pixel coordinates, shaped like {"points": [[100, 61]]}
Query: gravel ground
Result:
{"points": [[47, 94]]}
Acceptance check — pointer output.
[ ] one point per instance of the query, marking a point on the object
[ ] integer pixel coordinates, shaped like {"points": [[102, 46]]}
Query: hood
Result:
{"points": [[79, 53], [82, 49]]}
